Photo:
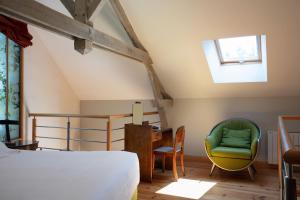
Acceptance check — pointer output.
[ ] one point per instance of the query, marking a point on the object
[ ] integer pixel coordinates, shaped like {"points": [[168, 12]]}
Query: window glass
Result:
{"points": [[10, 54], [239, 49], [13, 86]]}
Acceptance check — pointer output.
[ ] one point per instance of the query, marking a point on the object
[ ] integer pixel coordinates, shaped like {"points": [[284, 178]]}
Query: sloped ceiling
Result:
{"points": [[99, 75], [172, 32]]}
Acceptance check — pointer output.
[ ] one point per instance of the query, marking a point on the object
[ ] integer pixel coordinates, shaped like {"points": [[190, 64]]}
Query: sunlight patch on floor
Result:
{"points": [[187, 188]]}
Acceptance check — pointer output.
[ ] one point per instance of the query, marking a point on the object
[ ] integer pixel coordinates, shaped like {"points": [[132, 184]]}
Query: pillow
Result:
{"points": [[236, 138]]}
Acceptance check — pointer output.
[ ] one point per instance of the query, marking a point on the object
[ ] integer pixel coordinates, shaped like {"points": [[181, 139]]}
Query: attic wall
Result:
{"points": [[46, 91], [200, 115], [100, 74]]}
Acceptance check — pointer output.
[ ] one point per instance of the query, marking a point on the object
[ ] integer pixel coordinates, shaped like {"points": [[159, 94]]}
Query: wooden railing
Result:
{"points": [[288, 155], [109, 130]]}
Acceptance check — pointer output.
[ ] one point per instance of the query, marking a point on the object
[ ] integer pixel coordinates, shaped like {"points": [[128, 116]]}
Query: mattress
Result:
{"points": [[50, 175]]}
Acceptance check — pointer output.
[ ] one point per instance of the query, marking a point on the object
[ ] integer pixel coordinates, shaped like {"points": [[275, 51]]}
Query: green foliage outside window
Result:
{"points": [[10, 58]]}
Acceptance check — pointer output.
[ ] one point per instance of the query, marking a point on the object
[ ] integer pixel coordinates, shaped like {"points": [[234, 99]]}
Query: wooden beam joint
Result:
{"points": [[37, 14], [83, 46]]}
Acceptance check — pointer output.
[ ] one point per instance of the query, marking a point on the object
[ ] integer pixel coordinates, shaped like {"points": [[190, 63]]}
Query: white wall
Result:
{"points": [[46, 91], [107, 107], [200, 115]]}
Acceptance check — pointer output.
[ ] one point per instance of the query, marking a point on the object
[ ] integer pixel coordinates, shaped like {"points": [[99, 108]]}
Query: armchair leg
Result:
{"points": [[212, 169], [251, 173], [252, 166]]}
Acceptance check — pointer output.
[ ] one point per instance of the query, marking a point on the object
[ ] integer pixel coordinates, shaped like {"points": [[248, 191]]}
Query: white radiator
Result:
{"points": [[272, 144]]}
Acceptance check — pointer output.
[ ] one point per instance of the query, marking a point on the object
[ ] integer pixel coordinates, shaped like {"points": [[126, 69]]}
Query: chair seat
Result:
{"points": [[166, 149], [230, 152]]}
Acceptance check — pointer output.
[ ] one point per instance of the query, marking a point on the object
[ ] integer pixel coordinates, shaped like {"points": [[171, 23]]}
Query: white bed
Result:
{"points": [[51, 175]]}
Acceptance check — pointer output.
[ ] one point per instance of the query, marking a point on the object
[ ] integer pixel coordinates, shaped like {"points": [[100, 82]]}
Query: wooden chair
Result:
{"points": [[177, 149]]}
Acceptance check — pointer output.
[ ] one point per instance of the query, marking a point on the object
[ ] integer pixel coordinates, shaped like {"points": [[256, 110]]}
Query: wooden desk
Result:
{"points": [[142, 139]]}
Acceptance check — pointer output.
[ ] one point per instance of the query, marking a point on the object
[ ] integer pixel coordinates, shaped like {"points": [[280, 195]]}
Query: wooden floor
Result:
{"points": [[229, 186]]}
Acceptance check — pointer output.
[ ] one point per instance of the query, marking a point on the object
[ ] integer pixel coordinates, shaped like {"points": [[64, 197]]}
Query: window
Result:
{"points": [[246, 49], [10, 87], [237, 60]]}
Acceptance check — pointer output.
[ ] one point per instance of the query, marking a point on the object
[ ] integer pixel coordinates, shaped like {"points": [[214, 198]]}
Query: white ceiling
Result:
{"points": [[172, 32]]}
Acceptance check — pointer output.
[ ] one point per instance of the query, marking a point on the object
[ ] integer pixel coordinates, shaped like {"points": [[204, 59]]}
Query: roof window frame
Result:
{"points": [[222, 62]]}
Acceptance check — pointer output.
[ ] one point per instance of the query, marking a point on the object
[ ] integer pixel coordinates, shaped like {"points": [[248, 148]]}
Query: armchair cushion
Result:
{"points": [[231, 152], [236, 138]]}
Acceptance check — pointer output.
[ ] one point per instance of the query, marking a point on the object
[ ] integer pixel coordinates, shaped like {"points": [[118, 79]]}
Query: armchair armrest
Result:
{"points": [[254, 145], [211, 141]]}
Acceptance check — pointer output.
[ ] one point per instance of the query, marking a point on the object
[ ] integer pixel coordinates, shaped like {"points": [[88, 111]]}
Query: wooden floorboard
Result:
{"points": [[229, 186]]}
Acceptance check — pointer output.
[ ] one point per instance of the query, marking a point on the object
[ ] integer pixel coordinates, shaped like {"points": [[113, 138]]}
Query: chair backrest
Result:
{"points": [[236, 124], [179, 138]]}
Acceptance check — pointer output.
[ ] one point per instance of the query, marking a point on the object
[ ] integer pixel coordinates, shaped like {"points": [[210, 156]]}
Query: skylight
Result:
{"points": [[237, 60], [239, 49]]}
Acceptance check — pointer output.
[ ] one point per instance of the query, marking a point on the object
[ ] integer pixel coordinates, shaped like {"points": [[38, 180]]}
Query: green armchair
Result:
{"points": [[232, 145]]}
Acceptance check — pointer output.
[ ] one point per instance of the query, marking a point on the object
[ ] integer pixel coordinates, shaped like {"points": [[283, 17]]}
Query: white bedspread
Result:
{"points": [[50, 175]]}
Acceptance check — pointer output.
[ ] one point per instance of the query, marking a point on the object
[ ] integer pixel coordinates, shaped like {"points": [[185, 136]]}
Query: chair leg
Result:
{"points": [[163, 163], [153, 162], [212, 169], [251, 173], [175, 168], [182, 164]]}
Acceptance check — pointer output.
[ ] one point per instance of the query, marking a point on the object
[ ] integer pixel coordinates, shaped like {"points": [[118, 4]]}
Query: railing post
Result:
{"points": [[33, 128], [279, 159], [68, 134], [108, 135], [290, 190]]}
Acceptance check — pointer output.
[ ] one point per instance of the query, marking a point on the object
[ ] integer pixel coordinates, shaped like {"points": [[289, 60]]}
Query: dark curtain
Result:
{"points": [[16, 31]]}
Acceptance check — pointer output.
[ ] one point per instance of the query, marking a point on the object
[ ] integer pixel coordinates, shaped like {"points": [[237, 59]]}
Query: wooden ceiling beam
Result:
{"points": [[162, 98], [83, 46], [37, 14], [119, 11], [93, 8], [69, 5]]}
